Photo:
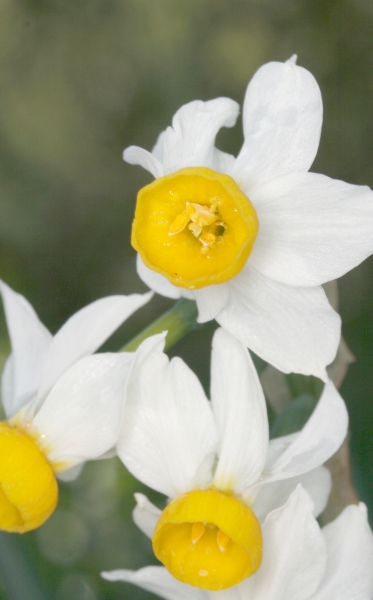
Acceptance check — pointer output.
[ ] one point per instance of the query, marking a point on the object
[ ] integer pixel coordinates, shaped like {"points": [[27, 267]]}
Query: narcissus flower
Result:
{"points": [[252, 238], [300, 560], [63, 404], [214, 460]]}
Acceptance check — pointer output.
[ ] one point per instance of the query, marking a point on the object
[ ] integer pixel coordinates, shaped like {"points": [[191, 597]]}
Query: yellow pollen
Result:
{"points": [[28, 487], [208, 539], [195, 227]]}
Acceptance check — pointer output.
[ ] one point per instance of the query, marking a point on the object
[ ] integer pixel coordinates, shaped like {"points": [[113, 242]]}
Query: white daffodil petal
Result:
{"points": [[71, 474], [168, 436], [282, 118], [190, 141], [134, 155], [240, 413], [222, 161], [157, 151], [294, 558], [294, 329], [349, 572], [157, 282], [210, 300], [85, 332], [273, 495], [312, 228], [81, 416], [238, 592], [158, 581], [145, 515], [319, 439], [30, 342]]}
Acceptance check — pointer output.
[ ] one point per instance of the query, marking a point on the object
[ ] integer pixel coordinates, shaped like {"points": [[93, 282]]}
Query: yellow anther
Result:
{"points": [[195, 229], [200, 214], [223, 540], [209, 540], [207, 239], [28, 487], [198, 529], [176, 218], [179, 224]]}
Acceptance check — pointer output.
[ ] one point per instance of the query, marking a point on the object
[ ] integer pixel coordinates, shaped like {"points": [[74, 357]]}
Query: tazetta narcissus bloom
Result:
{"points": [[62, 402], [300, 560], [214, 460], [252, 238]]}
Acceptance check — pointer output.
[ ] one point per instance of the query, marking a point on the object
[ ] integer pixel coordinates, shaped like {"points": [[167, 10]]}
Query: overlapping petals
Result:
{"points": [[312, 229], [301, 561], [174, 440], [70, 400]]}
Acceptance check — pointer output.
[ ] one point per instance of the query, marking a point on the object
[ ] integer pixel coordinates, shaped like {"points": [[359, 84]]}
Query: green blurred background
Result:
{"points": [[81, 80]]}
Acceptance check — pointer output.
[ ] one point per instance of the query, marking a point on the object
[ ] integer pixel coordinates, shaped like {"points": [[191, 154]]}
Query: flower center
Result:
{"points": [[28, 487], [195, 227], [209, 540]]}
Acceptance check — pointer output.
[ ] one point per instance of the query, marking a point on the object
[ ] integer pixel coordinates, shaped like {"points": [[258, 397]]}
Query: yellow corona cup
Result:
{"points": [[195, 227], [208, 539], [28, 487]]}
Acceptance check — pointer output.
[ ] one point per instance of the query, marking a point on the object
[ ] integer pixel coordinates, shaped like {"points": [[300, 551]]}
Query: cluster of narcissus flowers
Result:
{"points": [[250, 239]]}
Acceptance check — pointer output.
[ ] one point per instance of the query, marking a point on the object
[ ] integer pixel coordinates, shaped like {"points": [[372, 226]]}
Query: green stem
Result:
{"points": [[178, 321]]}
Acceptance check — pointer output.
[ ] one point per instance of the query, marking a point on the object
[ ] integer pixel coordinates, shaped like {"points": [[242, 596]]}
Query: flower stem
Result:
{"points": [[178, 321]]}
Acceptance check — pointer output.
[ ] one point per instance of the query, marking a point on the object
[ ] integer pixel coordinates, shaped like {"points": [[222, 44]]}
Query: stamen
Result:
{"points": [[207, 239], [195, 229], [179, 224], [198, 529], [202, 217], [201, 214], [223, 540]]}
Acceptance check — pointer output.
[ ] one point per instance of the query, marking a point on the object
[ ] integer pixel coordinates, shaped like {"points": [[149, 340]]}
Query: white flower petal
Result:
{"points": [[240, 412], [282, 117], [85, 332], [30, 342], [158, 581], [168, 435], [319, 439], [157, 151], [157, 282], [273, 495], [312, 228], [190, 141], [210, 300], [72, 473], [294, 329], [81, 416], [237, 592], [145, 515], [349, 573], [294, 553], [222, 161], [134, 155]]}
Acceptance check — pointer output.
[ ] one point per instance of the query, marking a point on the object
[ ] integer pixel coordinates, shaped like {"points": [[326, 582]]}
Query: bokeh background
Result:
{"points": [[79, 81]]}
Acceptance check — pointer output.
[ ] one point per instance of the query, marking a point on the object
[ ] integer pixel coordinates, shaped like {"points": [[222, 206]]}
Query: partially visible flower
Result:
{"points": [[214, 460], [63, 404], [252, 238], [300, 561]]}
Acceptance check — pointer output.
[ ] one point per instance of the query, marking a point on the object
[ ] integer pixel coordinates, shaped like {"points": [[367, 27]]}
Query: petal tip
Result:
{"points": [[292, 60]]}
